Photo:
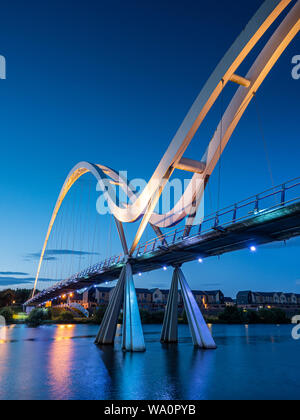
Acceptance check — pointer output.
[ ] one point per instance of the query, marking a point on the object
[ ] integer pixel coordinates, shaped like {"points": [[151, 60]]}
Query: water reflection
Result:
{"points": [[3, 334], [201, 369], [186, 371], [3, 353], [169, 372], [134, 378], [247, 334], [60, 361], [171, 377], [125, 370]]}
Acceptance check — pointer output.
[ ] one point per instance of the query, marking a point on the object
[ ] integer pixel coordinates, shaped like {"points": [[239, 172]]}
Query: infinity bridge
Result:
{"points": [[245, 224], [270, 216]]}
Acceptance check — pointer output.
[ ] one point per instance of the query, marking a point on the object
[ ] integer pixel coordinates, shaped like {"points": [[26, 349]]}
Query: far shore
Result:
{"points": [[231, 315], [180, 322]]}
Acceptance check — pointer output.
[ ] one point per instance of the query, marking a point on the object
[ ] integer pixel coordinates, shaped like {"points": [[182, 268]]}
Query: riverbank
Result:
{"points": [[230, 316]]}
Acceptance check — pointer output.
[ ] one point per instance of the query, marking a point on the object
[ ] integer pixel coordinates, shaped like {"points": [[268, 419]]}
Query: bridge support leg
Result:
{"points": [[133, 337], [200, 332], [107, 331], [169, 332]]}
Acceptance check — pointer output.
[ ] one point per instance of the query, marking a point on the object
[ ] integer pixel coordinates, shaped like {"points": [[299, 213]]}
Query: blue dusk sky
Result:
{"points": [[110, 82]]}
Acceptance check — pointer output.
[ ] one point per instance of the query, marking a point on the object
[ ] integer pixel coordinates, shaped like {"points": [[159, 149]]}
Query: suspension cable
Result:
{"points": [[260, 126], [220, 145]]}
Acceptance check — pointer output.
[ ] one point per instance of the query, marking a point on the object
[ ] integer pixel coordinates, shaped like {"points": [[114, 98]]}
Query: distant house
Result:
{"points": [[86, 299], [154, 299], [159, 296], [215, 297], [93, 297], [144, 296], [245, 298], [201, 297], [103, 295], [267, 298], [76, 298], [258, 298], [229, 301], [282, 299], [291, 298]]}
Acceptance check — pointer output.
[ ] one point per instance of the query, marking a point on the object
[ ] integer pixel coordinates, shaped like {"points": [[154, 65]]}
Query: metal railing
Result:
{"points": [[94, 269], [256, 205], [82, 275]]}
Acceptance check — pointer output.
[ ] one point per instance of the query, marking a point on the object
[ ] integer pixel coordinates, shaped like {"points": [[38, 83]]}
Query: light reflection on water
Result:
{"points": [[62, 362], [59, 372]]}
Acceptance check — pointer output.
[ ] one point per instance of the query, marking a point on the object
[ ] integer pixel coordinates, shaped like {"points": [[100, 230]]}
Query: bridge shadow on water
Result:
{"points": [[164, 371]]}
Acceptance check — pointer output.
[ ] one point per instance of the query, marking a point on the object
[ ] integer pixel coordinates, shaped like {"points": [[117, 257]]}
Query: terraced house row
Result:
{"points": [[211, 301], [151, 299], [280, 299]]}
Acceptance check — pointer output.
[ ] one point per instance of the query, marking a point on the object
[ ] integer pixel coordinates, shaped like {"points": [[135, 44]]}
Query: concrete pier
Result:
{"points": [[200, 332], [107, 331], [169, 332], [132, 336]]}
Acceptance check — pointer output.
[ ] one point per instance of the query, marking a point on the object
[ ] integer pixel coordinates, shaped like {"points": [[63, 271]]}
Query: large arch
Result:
{"points": [[144, 204]]}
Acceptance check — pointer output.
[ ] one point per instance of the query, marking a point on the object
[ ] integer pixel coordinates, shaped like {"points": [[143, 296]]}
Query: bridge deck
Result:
{"points": [[277, 224]]}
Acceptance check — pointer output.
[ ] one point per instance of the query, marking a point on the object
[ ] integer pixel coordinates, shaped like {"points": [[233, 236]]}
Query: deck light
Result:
{"points": [[253, 248], [200, 260]]}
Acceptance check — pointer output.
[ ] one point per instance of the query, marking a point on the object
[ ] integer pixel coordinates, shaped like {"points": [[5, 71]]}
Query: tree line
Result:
{"points": [[11, 297]]}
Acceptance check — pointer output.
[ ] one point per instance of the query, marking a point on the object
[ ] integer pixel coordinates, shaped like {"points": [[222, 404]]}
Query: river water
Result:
{"points": [[62, 362]]}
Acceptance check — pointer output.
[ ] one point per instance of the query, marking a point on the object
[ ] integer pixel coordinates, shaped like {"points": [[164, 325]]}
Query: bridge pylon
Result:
{"points": [[132, 336], [200, 332], [108, 327], [169, 333]]}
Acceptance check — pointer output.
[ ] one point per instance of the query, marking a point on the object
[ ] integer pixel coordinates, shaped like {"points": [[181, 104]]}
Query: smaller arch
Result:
{"points": [[98, 171]]}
